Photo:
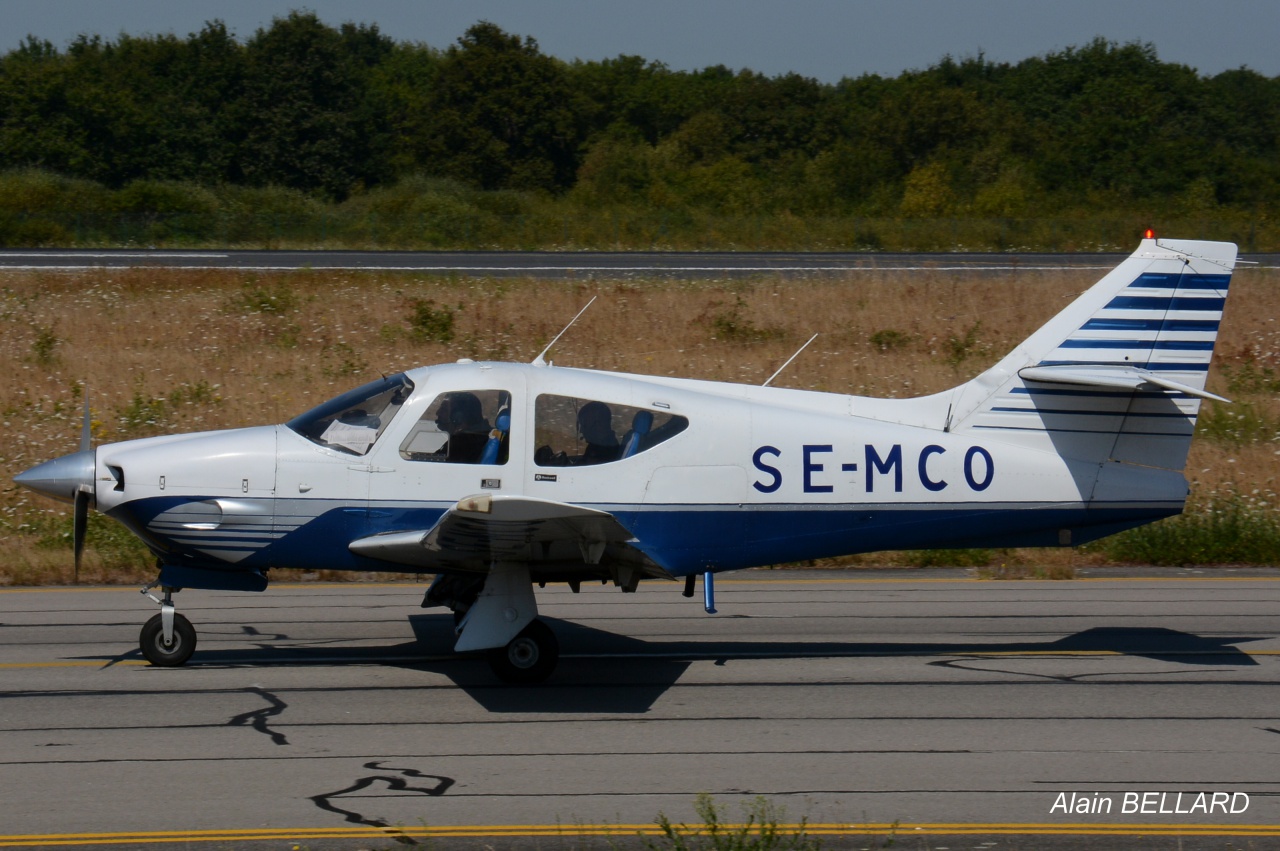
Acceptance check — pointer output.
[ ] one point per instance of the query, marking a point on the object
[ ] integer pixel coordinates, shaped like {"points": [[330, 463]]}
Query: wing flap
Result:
{"points": [[481, 529]]}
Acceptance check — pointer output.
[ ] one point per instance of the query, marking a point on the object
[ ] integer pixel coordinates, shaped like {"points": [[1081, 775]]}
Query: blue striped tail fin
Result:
{"points": [[1119, 374]]}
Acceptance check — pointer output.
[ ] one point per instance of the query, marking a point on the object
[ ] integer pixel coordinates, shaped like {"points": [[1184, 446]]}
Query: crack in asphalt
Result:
{"points": [[257, 719], [394, 783]]}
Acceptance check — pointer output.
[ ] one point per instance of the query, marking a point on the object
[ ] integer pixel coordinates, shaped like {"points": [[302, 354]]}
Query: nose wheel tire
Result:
{"points": [[528, 658], [176, 652]]}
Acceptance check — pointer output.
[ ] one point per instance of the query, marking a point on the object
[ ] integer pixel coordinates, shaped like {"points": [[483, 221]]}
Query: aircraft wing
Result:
{"points": [[480, 530]]}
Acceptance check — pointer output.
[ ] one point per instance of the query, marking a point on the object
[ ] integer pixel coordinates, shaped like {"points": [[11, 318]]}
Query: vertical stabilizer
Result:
{"points": [[1119, 374]]}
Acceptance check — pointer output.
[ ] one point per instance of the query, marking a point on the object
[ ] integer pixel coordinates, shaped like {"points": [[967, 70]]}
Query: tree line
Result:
{"points": [[341, 112]]}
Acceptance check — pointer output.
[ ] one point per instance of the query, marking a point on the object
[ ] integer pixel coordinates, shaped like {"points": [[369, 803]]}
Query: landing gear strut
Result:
{"points": [[168, 639], [528, 658], [496, 614]]}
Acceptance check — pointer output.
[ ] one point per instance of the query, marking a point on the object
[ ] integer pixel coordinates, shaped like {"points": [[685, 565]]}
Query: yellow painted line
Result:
{"points": [[579, 830], [101, 663]]}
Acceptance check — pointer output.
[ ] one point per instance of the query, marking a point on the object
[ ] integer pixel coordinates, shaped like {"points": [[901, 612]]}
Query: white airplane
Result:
{"points": [[499, 476]]}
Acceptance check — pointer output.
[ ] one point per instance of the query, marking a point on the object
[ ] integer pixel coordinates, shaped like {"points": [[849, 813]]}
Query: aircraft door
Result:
{"points": [[462, 442]]}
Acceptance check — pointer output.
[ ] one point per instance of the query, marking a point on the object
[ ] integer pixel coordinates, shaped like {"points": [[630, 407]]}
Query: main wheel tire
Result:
{"points": [[528, 658], [171, 655]]}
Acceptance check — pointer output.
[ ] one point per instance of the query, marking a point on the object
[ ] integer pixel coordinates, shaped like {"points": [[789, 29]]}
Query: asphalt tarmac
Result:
{"points": [[915, 708]]}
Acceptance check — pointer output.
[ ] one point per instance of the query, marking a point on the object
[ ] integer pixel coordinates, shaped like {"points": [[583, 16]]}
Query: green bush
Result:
{"points": [[429, 323], [888, 339], [733, 326], [1236, 425], [960, 349], [143, 415], [44, 346], [949, 558], [258, 298], [1250, 377], [31, 191], [704, 209], [760, 830], [1228, 530]]}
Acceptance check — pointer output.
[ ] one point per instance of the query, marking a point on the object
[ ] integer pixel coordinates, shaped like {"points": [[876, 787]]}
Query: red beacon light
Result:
{"points": [[1149, 233]]}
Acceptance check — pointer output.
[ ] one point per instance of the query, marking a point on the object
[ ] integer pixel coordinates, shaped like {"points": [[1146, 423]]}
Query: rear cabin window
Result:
{"points": [[569, 431]]}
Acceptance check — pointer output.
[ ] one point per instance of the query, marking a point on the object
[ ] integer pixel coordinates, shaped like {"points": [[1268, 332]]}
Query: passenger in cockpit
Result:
{"points": [[595, 425]]}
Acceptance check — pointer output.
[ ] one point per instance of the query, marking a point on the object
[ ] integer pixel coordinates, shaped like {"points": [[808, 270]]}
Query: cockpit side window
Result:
{"points": [[569, 431], [462, 427], [354, 421]]}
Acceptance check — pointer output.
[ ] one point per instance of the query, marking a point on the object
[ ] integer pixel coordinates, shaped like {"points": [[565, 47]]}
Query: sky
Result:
{"points": [[824, 39]]}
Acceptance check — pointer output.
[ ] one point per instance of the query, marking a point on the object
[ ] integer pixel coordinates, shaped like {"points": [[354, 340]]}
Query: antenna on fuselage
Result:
{"points": [[540, 360], [789, 360]]}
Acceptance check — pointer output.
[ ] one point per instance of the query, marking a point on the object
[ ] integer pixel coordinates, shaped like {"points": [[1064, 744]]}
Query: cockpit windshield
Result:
{"points": [[354, 421]]}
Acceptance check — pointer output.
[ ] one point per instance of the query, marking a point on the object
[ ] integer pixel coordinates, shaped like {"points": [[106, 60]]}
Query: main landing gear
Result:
{"points": [[168, 639], [496, 614], [528, 658]]}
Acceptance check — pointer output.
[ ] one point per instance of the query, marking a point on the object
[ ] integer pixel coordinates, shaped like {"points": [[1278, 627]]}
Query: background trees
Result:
{"points": [[337, 113]]}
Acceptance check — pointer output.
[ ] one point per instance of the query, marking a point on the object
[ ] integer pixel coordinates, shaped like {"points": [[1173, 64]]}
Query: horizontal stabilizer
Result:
{"points": [[1111, 375]]}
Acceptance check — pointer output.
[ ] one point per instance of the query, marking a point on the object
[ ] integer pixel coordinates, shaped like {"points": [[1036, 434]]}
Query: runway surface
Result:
{"points": [[919, 707]]}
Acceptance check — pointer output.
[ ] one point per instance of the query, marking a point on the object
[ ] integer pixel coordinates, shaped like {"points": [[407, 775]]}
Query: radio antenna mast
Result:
{"points": [[789, 360], [540, 360]]}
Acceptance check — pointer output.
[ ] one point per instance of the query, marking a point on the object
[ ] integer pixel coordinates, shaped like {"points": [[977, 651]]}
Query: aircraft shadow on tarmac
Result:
{"points": [[606, 672]]}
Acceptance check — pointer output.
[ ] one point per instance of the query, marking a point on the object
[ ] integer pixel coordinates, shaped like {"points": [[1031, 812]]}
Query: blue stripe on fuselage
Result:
{"points": [[691, 539]]}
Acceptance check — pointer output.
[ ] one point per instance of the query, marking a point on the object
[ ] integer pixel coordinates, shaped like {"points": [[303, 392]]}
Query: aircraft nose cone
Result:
{"points": [[60, 478]]}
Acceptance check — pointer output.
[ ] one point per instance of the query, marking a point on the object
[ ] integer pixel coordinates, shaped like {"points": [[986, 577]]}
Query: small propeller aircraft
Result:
{"points": [[495, 477]]}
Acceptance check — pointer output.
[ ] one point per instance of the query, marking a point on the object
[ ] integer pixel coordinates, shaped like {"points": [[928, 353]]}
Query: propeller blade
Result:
{"points": [[80, 515], [80, 525]]}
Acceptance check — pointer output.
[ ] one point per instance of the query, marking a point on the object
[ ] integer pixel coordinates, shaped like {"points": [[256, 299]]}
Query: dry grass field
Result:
{"points": [[164, 351]]}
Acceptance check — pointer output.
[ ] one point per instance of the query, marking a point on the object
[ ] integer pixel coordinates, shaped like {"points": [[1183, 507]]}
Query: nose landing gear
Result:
{"points": [[168, 639]]}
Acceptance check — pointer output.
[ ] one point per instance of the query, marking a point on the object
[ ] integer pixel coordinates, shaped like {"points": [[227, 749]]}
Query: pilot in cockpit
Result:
{"points": [[461, 416]]}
